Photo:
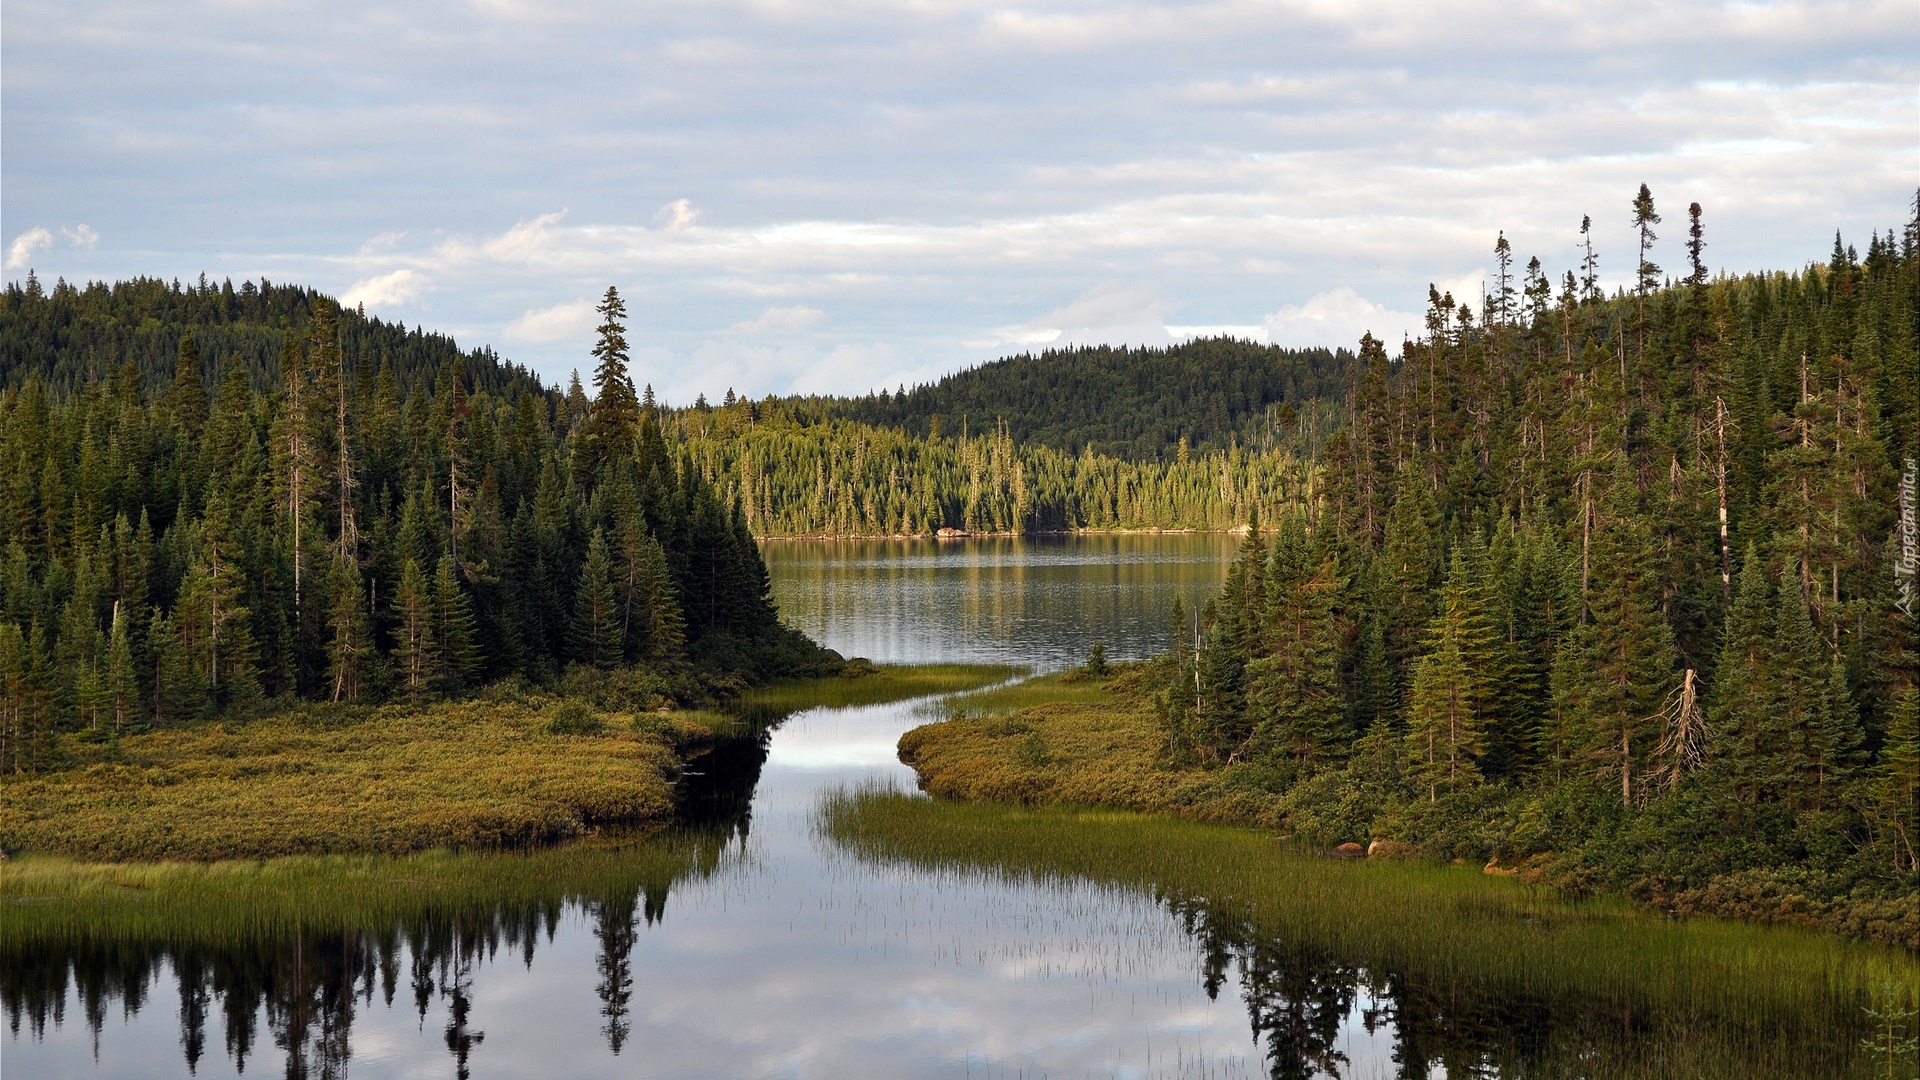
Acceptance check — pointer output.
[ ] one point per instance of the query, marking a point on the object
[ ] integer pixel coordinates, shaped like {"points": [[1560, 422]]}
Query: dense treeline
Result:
{"points": [[794, 474], [1134, 403], [1610, 578], [168, 555], [67, 336]]}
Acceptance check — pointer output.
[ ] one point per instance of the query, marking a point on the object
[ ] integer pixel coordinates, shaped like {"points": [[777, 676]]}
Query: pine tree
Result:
{"points": [[1451, 688], [414, 651], [1746, 733], [1174, 703], [1896, 785], [659, 628], [595, 636], [1647, 277], [122, 678], [349, 642], [26, 707], [213, 623], [187, 395], [1293, 678], [614, 418], [1611, 683], [455, 648]]}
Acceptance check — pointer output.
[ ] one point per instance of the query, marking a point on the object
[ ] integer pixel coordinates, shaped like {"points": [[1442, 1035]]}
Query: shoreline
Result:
{"points": [[962, 534]]}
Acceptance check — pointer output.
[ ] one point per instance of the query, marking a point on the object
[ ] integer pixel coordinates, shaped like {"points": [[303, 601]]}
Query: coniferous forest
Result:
{"points": [[1613, 578], [372, 515]]}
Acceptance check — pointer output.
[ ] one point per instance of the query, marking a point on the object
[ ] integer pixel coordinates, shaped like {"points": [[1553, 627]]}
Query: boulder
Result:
{"points": [[1350, 850], [1388, 849]]}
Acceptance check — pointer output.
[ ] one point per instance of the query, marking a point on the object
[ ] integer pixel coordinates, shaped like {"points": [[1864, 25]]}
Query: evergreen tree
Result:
{"points": [[415, 652], [349, 641], [1293, 678], [614, 418], [659, 629], [454, 644], [1747, 733], [1612, 682], [1452, 686], [595, 636], [1175, 702], [26, 713], [1896, 785], [122, 678]]}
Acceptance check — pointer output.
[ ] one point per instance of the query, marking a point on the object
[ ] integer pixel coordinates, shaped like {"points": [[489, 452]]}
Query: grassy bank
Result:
{"points": [[1067, 739], [508, 769], [217, 904], [483, 773], [874, 686], [1630, 994], [1072, 741]]}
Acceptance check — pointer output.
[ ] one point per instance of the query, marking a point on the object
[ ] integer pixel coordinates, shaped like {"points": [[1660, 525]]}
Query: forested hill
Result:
{"points": [[169, 554], [69, 336], [1129, 403]]}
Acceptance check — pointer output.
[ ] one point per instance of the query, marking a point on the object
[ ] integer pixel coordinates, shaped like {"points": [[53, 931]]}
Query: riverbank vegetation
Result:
{"points": [[1601, 587], [490, 773], [512, 767], [1479, 974]]}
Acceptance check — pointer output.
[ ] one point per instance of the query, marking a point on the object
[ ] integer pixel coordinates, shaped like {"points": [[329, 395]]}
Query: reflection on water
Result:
{"points": [[1037, 601], [775, 952]]}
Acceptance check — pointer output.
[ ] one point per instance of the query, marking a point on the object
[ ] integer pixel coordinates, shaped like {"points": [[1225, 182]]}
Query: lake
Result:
{"points": [[780, 953]]}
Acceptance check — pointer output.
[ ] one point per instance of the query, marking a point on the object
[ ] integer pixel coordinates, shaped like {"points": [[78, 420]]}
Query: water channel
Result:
{"points": [[787, 956]]}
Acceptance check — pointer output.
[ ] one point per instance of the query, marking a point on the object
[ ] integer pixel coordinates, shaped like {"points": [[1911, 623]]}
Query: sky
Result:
{"points": [[798, 196]]}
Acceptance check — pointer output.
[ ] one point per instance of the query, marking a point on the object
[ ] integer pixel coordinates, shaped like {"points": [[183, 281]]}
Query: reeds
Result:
{"points": [[1731, 999]]}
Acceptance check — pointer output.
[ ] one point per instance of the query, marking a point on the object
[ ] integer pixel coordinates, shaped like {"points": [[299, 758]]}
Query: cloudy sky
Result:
{"points": [[808, 196]]}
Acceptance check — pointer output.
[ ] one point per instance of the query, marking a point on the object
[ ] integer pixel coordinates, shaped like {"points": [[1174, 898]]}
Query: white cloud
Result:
{"points": [[1113, 313], [81, 236], [1337, 318], [1244, 333], [677, 215], [391, 289], [20, 252], [911, 169], [561, 322], [779, 319]]}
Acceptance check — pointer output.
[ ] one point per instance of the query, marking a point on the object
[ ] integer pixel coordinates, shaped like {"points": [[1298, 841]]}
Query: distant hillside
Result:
{"points": [[70, 335], [1131, 403]]}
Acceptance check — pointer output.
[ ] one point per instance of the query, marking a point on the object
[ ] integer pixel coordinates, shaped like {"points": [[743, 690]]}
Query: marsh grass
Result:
{"points": [[1729, 999], [510, 768], [873, 687], [314, 780], [1059, 687], [53, 899]]}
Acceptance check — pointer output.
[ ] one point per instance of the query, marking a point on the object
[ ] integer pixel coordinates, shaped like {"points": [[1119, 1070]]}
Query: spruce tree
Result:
{"points": [[122, 678], [1612, 682], [1293, 678], [595, 635], [1896, 785], [1746, 731], [349, 642], [1451, 687], [414, 652], [660, 628], [614, 418], [455, 646]]}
